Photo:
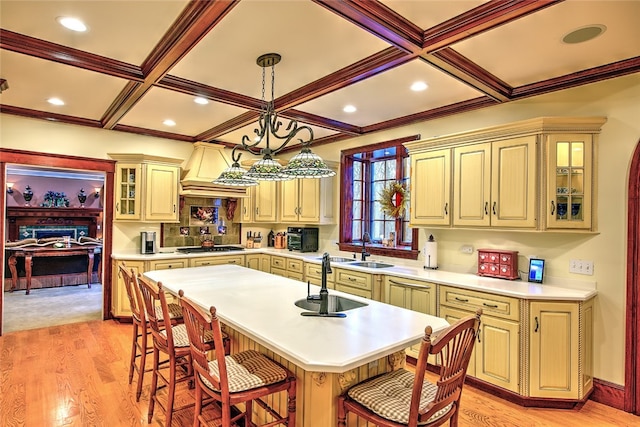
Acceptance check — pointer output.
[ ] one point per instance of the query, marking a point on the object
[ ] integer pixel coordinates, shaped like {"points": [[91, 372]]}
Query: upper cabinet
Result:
{"points": [[261, 204], [536, 174], [146, 188], [306, 201], [569, 181]]}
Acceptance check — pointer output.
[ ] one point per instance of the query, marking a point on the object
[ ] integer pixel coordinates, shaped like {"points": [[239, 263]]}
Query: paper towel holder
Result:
{"points": [[428, 265]]}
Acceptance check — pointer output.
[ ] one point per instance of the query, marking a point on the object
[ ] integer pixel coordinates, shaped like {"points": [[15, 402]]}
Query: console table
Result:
{"points": [[30, 252]]}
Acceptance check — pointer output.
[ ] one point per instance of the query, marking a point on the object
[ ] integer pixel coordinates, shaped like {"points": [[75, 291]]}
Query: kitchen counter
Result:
{"points": [[326, 354], [513, 288]]}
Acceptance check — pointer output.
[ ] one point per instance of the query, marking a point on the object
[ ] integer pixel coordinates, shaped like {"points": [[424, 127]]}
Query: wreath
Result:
{"points": [[393, 199]]}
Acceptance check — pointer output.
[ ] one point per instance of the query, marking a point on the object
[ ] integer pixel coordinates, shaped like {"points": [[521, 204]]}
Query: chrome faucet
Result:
{"points": [[365, 239]]}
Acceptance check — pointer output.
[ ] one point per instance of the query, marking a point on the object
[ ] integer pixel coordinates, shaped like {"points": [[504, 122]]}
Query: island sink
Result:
{"points": [[371, 264], [336, 304]]}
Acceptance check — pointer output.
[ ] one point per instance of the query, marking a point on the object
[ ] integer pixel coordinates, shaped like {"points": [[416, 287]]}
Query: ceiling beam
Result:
{"points": [[195, 21]]}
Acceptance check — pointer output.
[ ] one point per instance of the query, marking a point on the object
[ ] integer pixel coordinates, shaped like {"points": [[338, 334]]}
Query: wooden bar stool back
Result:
{"points": [[401, 398], [245, 377], [169, 339], [140, 346]]}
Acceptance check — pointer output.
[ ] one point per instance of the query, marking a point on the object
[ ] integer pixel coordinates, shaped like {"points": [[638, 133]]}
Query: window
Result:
{"points": [[365, 173]]}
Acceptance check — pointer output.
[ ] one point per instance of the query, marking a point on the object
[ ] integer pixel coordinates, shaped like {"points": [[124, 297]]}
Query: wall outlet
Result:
{"points": [[581, 266], [466, 249]]}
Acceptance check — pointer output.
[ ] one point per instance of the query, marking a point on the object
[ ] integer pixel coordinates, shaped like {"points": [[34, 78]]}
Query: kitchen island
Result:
{"points": [[327, 354]]}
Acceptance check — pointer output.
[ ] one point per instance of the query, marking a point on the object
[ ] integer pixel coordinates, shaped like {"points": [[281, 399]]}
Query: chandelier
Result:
{"points": [[270, 131]]}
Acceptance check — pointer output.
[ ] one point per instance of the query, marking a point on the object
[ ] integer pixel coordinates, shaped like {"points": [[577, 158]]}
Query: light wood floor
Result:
{"points": [[76, 375]]}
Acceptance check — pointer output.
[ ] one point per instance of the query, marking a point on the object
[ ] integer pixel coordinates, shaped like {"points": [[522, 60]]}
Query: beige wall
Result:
{"points": [[618, 100]]}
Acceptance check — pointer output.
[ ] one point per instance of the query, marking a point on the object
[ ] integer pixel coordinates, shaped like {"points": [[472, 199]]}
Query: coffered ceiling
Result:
{"points": [[142, 62]]}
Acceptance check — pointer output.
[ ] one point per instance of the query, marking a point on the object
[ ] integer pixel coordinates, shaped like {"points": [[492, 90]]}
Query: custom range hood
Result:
{"points": [[205, 165]]}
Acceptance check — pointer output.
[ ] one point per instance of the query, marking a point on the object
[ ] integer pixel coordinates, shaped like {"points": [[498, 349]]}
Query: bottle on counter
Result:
{"points": [[270, 239]]}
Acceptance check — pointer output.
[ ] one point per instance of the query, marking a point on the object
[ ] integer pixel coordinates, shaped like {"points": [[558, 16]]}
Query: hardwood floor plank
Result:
{"points": [[77, 375]]}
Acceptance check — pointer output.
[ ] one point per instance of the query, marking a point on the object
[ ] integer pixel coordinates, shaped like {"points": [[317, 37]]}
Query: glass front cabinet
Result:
{"points": [[570, 181], [128, 185]]}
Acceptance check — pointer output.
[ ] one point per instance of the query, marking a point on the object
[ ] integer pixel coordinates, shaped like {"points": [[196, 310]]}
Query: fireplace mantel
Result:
{"points": [[19, 216]]}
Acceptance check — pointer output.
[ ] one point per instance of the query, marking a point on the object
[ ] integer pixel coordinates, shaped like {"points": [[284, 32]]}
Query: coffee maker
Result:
{"points": [[148, 242]]}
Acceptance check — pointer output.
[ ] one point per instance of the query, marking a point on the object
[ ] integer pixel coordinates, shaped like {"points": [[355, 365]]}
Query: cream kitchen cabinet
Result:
{"points": [[166, 264], [261, 204], [569, 181], [416, 295], [287, 267], [430, 190], [299, 201], [496, 355], [560, 349], [217, 260], [146, 188], [258, 262], [313, 274], [494, 184], [120, 306], [358, 283]]}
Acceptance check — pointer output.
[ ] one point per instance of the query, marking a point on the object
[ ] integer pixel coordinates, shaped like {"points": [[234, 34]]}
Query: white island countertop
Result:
{"points": [[261, 306]]}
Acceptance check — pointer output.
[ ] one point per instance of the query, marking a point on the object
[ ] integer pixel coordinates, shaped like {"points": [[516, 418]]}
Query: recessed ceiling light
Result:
{"points": [[169, 122], [418, 86], [584, 34], [55, 101], [349, 109], [200, 100], [73, 24]]}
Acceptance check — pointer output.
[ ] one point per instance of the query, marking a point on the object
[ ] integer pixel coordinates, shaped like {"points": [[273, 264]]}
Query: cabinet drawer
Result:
{"points": [[217, 260], [494, 305], [353, 279], [167, 264], [278, 262], [295, 276], [295, 265], [314, 271], [279, 271]]}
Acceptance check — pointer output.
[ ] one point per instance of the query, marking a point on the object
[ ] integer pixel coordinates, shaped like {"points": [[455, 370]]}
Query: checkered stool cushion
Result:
{"points": [[390, 396], [175, 311], [247, 370], [181, 338]]}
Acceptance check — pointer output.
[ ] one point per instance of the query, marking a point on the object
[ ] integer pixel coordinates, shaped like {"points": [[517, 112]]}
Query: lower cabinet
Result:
{"points": [[260, 262], [313, 275], [560, 349], [287, 267], [412, 294], [166, 264], [217, 260], [358, 283], [120, 306], [496, 355]]}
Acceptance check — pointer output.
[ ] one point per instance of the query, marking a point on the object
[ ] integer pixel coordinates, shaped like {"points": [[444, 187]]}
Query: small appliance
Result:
{"points": [[148, 242], [302, 239]]}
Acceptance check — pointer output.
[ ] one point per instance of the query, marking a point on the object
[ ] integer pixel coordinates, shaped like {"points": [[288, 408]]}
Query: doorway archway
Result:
{"points": [[19, 157], [632, 346]]}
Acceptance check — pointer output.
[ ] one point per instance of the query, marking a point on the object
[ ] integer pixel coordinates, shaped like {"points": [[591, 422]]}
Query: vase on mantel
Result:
{"points": [[82, 197], [28, 195]]}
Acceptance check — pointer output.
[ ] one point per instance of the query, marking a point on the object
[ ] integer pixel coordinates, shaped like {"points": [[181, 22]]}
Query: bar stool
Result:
{"points": [[245, 377], [401, 398], [140, 345], [170, 340]]}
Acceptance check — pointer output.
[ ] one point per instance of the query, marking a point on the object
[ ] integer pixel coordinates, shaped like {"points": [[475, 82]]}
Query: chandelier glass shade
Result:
{"points": [[270, 129]]}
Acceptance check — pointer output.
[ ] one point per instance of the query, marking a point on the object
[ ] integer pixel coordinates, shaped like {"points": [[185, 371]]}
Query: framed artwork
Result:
{"points": [[203, 215], [184, 231], [204, 230]]}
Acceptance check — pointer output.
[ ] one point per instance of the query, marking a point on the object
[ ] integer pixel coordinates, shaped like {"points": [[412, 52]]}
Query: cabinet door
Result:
{"points": [[553, 350], [265, 263], [513, 183], [120, 306], [452, 315], [472, 185], [289, 201], [128, 192], [497, 355], [265, 202], [161, 193], [430, 188], [246, 207], [354, 291], [308, 200], [253, 261], [569, 181]]}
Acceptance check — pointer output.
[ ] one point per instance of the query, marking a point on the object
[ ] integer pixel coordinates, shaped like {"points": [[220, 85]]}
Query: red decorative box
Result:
{"points": [[497, 263]]}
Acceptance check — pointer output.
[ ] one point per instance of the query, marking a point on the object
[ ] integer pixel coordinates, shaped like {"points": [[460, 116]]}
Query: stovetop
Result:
{"points": [[219, 248]]}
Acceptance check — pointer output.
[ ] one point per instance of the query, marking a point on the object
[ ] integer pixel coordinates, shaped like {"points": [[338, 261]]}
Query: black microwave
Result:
{"points": [[302, 239]]}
